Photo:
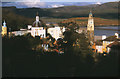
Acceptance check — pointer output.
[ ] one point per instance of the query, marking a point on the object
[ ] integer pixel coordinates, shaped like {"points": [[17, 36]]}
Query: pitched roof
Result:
{"points": [[114, 43], [112, 38], [98, 42]]}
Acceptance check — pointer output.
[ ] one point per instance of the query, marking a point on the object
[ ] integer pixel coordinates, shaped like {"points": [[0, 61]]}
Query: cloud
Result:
{"points": [[33, 3], [28, 1], [55, 6], [99, 3]]}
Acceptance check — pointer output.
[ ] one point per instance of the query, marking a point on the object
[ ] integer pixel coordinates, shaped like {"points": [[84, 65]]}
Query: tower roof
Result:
{"points": [[90, 12], [37, 24], [4, 24]]}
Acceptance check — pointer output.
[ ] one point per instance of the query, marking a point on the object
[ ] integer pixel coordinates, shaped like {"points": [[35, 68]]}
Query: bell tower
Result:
{"points": [[4, 29], [90, 25], [37, 17], [90, 28]]}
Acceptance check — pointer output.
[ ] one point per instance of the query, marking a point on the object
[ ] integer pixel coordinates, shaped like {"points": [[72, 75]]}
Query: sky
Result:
{"points": [[59, 0], [51, 4]]}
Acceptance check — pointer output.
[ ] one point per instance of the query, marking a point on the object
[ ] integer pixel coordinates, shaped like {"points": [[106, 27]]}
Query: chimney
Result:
{"points": [[103, 37], [117, 35]]}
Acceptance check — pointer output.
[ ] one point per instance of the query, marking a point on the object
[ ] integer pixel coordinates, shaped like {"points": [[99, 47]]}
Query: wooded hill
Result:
{"points": [[82, 21], [20, 17], [106, 10]]}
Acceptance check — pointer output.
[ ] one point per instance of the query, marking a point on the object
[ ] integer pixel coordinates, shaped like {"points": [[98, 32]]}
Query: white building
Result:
{"points": [[37, 29], [109, 40], [56, 32], [105, 44], [29, 27], [20, 33]]}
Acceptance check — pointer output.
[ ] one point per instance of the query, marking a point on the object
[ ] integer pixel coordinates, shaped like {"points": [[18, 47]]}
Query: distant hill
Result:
{"points": [[20, 17], [106, 10], [45, 4]]}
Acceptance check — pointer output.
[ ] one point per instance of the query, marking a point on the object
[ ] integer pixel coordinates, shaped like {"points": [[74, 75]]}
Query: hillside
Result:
{"points": [[17, 18], [82, 21], [106, 10]]}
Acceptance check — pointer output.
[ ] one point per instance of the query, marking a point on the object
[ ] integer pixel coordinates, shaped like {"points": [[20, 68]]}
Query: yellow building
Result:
{"points": [[4, 29]]}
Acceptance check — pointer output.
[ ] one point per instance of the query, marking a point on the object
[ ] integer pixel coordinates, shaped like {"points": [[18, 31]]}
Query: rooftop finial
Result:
{"points": [[4, 20], [37, 14], [90, 11], [4, 24]]}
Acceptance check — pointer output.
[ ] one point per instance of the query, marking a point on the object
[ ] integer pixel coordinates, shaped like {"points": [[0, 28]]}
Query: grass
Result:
{"points": [[82, 21], [56, 20]]}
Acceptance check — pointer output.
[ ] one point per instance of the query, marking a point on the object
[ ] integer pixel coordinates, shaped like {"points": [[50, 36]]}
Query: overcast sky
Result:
{"points": [[59, 0]]}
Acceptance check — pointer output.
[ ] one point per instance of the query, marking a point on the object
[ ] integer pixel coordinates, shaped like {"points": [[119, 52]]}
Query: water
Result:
{"points": [[100, 32], [105, 32], [109, 27]]}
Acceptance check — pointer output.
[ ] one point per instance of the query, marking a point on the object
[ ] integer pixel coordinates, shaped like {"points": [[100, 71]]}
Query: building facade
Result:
{"points": [[56, 32], [109, 40], [38, 29], [103, 45], [20, 32], [90, 28], [90, 25]]}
